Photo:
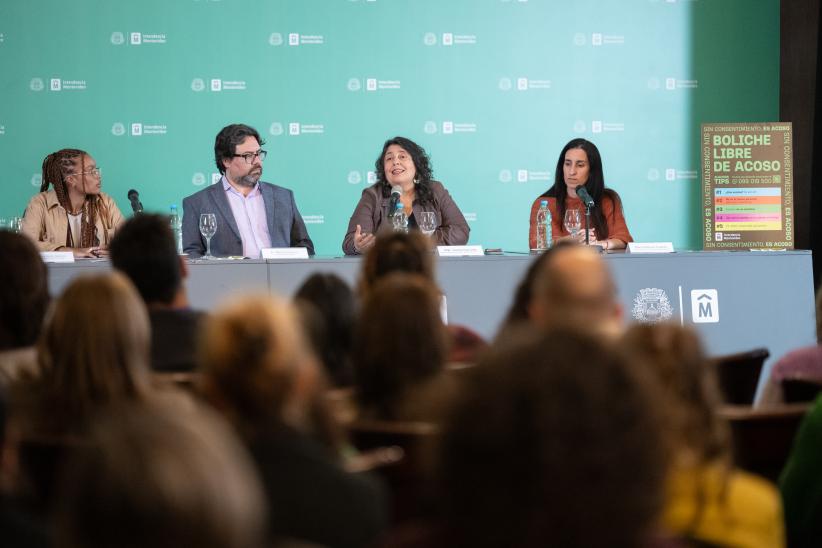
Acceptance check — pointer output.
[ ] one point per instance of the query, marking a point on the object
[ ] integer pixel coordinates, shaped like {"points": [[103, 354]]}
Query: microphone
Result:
{"points": [[396, 191], [134, 198], [583, 195]]}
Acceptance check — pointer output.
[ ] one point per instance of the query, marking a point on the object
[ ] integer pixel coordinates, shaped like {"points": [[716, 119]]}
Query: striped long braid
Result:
{"points": [[56, 167]]}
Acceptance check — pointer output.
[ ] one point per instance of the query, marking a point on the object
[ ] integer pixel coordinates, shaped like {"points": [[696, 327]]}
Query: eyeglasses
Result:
{"points": [[95, 171], [249, 156]]}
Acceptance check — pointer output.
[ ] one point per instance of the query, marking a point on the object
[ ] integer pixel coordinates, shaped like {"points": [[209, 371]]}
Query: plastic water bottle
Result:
{"points": [[544, 235], [176, 228], [399, 220]]}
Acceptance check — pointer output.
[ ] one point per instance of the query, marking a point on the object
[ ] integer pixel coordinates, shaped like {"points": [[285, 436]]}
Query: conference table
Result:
{"points": [[737, 300]]}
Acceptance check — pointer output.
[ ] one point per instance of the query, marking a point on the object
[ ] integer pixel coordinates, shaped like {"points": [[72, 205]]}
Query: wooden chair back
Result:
{"points": [[800, 390], [762, 438], [739, 375]]}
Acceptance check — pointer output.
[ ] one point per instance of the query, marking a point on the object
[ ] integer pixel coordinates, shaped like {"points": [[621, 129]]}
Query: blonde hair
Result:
{"points": [[95, 346], [254, 357], [674, 357]]}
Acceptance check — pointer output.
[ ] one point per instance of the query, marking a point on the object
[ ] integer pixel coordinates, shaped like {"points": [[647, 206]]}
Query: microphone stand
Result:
{"points": [[587, 221]]}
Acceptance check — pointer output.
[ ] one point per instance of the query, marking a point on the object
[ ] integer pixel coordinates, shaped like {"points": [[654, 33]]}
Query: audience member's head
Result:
{"points": [[331, 326], [574, 288], [169, 475], [524, 293], [555, 442], [397, 252], [673, 357], [94, 348], [400, 340], [144, 250], [259, 371], [24, 294]]}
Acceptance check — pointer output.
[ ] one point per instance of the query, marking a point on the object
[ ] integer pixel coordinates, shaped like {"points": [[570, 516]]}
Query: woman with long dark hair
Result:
{"points": [[76, 215], [405, 164], [580, 164]]}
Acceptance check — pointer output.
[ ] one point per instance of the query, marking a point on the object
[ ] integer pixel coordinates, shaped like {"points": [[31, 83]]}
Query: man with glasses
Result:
{"points": [[251, 214]]}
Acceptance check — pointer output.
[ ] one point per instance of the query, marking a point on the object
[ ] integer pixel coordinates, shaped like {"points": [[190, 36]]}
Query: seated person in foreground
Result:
{"points": [[412, 253], [802, 364], [144, 250], [540, 452], [162, 475], [251, 215], [76, 215], [580, 164], [801, 483], [328, 308], [258, 371], [404, 165], [707, 499], [24, 299], [93, 353], [574, 288], [400, 347]]}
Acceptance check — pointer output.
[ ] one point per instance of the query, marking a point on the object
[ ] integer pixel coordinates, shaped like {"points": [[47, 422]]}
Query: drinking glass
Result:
{"points": [[572, 222], [399, 221], [208, 227], [428, 222], [16, 224]]}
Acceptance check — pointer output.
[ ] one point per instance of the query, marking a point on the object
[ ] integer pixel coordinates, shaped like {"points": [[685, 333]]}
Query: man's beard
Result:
{"points": [[250, 179]]}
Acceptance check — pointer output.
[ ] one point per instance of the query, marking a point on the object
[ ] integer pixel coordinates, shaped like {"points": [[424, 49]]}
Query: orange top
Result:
{"points": [[613, 216]]}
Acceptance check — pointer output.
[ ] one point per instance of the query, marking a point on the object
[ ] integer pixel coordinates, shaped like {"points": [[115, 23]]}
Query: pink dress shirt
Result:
{"points": [[249, 214]]}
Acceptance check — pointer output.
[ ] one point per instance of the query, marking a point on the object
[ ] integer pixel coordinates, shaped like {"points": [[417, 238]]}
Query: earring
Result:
{"points": [[416, 181]]}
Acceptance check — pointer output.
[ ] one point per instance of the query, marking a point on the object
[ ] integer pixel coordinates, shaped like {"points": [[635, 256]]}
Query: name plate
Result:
{"points": [[284, 253], [460, 251], [650, 247], [57, 256]]}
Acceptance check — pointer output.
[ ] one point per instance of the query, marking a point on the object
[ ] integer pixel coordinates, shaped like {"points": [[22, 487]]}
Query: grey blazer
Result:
{"points": [[371, 214], [285, 224]]}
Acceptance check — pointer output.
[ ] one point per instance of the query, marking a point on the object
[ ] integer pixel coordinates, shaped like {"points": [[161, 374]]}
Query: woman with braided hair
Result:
{"points": [[75, 215]]}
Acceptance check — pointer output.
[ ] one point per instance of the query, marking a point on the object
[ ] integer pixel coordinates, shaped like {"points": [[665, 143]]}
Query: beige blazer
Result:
{"points": [[46, 221]]}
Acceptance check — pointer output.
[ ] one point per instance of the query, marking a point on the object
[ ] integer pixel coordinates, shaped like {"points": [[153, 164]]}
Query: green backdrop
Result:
{"points": [[491, 88]]}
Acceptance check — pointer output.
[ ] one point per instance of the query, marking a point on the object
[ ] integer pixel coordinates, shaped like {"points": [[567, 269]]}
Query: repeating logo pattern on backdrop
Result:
{"points": [[449, 39], [218, 84], [490, 102], [138, 129], [524, 175], [118, 38], [371, 84], [57, 84], [449, 127]]}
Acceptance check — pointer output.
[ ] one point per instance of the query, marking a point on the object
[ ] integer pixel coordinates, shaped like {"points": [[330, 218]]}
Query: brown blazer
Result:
{"points": [[46, 221], [371, 214]]}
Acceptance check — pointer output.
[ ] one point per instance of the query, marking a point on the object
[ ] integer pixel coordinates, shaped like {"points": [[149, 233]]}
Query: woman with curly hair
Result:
{"points": [[404, 164], [707, 499], [76, 215]]}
